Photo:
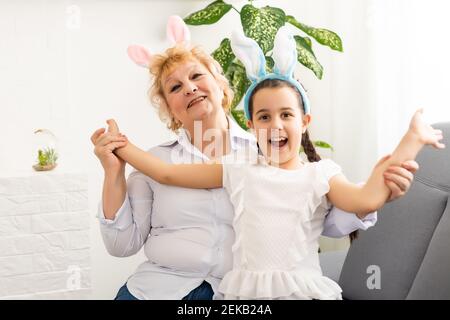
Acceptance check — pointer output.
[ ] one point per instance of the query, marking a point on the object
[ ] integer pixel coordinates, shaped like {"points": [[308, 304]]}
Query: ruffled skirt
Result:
{"points": [[277, 284]]}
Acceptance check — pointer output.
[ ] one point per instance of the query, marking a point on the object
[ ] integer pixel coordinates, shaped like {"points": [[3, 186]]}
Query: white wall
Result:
{"points": [[44, 236], [69, 75]]}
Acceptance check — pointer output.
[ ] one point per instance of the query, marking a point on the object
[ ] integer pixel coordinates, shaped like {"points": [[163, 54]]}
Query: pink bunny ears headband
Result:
{"points": [[177, 32]]}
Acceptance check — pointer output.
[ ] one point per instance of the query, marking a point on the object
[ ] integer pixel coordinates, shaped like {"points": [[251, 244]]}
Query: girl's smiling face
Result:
{"points": [[278, 122]]}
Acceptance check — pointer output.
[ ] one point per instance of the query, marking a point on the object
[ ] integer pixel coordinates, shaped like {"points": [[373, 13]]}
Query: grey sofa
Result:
{"points": [[407, 254]]}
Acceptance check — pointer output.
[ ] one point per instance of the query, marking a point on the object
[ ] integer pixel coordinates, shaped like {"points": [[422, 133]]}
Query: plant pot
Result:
{"points": [[47, 167]]}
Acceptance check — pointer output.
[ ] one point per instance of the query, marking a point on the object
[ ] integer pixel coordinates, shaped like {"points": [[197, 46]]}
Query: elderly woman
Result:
{"points": [[186, 233]]}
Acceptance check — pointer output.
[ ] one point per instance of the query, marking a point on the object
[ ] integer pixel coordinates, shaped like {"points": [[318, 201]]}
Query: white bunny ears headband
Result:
{"points": [[284, 54], [177, 32]]}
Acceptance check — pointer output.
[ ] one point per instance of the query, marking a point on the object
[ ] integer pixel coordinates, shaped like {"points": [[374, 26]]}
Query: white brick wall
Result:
{"points": [[44, 237]]}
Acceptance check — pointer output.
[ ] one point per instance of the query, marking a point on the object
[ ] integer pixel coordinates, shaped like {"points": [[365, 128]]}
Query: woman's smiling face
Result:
{"points": [[191, 92], [279, 123]]}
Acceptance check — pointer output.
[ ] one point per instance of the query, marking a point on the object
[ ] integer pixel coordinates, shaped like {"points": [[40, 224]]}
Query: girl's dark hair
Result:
{"points": [[308, 146]]}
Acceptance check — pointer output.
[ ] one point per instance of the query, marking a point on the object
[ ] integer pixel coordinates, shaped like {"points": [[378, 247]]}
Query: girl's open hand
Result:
{"points": [[425, 132]]}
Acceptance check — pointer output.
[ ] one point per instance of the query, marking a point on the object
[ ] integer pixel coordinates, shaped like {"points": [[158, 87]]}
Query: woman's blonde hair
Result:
{"points": [[162, 65]]}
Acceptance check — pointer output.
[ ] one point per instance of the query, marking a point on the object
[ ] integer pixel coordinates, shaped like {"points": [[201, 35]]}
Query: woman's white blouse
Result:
{"points": [[186, 233]]}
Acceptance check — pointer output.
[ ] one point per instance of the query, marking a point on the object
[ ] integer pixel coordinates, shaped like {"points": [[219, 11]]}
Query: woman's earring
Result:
{"points": [[174, 121]]}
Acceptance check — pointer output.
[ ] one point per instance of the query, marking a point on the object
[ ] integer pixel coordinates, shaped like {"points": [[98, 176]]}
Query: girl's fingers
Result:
{"points": [[107, 138], [114, 145], [110, 147]]}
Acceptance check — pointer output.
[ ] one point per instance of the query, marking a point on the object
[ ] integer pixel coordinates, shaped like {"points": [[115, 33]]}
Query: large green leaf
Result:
{"points": [[224, 55], [308, 42], [240, 118], [319, 144], [306, 56], [323, 145], [322, 36], [262, 24], [209, 15], [269, 64], [239, 82]]}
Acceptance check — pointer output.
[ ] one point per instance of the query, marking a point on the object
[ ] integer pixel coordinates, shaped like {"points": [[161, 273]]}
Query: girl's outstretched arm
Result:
{"points": [[199, 176], [373, 195]]}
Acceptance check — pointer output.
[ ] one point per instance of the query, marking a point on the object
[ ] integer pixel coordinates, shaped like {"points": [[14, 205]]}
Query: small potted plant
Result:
{"points": [[46, 150]]}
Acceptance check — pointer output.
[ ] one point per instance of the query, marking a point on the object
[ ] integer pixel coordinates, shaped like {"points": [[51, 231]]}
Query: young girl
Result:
{"points": [[280, 202]]}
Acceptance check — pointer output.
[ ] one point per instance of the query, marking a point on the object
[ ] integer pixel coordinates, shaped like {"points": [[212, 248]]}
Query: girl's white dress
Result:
{"points": [[279, 217]]}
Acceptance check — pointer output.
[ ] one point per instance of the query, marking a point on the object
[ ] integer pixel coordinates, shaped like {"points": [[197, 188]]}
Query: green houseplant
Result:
{"points": [[262, 24], [46, 159], [47, 154]]}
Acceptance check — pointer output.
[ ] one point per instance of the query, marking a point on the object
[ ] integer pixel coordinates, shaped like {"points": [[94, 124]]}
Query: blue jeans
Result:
{"points": [[202, 292], [124, 294]]}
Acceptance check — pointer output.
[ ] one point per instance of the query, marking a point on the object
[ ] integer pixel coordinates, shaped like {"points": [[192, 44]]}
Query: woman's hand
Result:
{"points": [[105, 143], [425, 132], [399, 178]]}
